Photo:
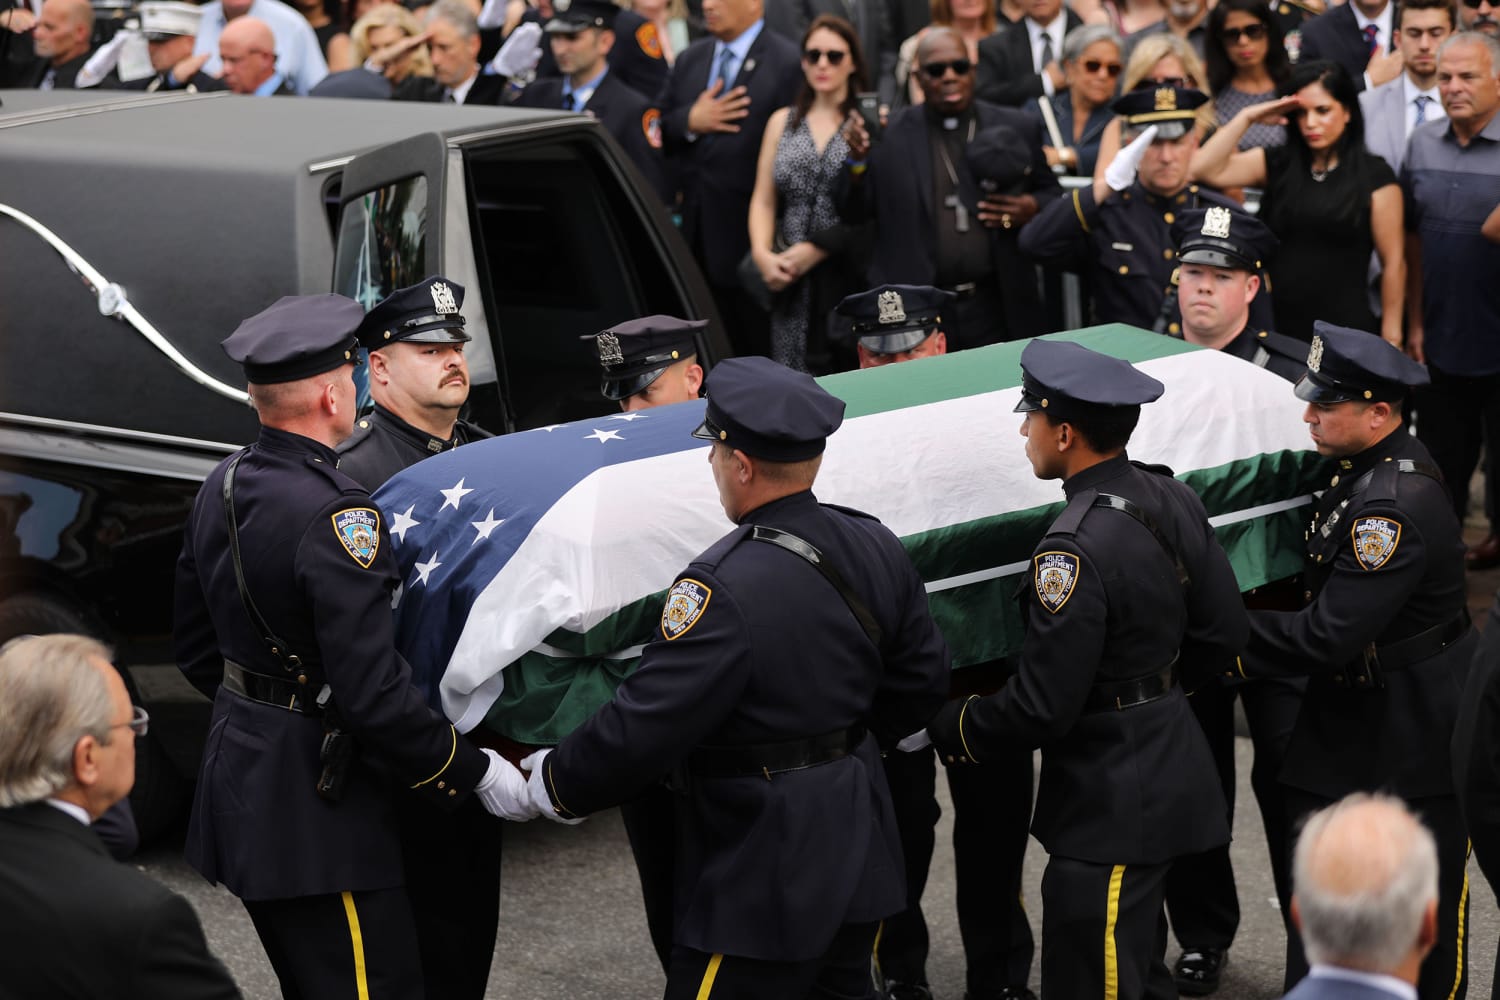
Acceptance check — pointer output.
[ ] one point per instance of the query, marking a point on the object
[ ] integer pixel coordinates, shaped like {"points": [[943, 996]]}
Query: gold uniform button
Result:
{"points": [[1169, 218], [1124, 269], [1307, 595], [442, 784], [364, 424], [1334, 481], [1182, 198], [1166, 254], [1174, 329], [1263, 334], [452, 792], [950, 758]]}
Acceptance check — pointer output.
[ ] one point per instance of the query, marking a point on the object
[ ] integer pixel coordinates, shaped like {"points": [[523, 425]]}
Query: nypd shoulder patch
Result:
{"points": [[686, 602], [1375, 540], [1055, 577], [358, 529]]}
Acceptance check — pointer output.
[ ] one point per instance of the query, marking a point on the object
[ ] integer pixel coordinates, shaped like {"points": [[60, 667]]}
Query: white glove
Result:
{"points": [[101, 62], [1120, 173], [541, 800], [503, 790], [918, 740], [519, 55], [492, 15]]}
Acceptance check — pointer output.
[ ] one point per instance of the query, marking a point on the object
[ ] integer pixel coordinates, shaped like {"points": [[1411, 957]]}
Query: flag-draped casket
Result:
{"points": [[534, 565]]}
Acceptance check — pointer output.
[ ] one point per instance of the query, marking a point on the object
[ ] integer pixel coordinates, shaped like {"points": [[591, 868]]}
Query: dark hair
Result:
{"points": [[1216, 61], [1407, 5], [1106, 429], [1335, 79], [858, 80]]}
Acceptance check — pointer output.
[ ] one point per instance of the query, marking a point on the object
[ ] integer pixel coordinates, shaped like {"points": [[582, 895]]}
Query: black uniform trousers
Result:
{"points": [[1201, 898], [651, 826], [1456, 415], [1444, 972], [452, 866], [842, 973], [341, 946], [991, 821], [1104, 924]]}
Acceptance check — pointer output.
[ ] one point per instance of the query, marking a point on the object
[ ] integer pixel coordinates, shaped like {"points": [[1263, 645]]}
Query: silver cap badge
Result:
{"points": [[1315, 354], [892, 309], [442, 298], [1216, 223], [609, 349]]}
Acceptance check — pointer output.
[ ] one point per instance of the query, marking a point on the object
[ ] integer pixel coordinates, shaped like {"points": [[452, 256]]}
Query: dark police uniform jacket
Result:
{"points": [[318, 564], [1124, 249], [757, 647], [1383, 567], [633, 121], [1105, 603], [1476, 750], [199, 83], [1275, 352], [383, 444]]}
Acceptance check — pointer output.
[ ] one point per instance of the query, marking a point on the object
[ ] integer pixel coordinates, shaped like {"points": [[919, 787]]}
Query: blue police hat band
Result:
{"points": [[307, 366], [717, 426], [432, 328], [296, 337], [768, 411]]}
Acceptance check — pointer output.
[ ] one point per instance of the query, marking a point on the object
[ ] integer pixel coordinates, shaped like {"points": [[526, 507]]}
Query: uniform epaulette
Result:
{"points": [[1280, 343], [1160, 470], [1067, 523], [851, 511], [715, 553], [340, 481]]}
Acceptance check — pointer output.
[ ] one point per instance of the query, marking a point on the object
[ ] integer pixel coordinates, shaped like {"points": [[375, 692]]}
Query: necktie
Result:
{"points": [[448, 97], [726, 62], [1047, 54], [1371, 33], [570, 103], [1422, 100]]}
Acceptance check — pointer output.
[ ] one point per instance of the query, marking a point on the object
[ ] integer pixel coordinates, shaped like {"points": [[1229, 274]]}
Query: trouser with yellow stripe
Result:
{"points": [[341, 946], [1104, 933], [842, 972], [1444, 974]]}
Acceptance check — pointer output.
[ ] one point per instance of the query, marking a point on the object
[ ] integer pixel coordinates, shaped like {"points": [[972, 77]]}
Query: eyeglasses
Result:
{"points": [[1165, 81], [835, 57], [139, 721], [1254, 32], [1092, 66], [937, 70]]}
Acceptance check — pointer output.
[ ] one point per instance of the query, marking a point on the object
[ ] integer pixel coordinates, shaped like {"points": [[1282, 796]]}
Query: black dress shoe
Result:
{"points": [[897, 990], [1197, 971]]}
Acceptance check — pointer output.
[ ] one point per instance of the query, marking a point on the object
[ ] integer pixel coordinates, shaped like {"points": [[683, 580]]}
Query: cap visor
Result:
{"points": [[1027, 404], [893, 343], [437, 335], [1312, 390], [560, 26], [1165, 131], [1215, 258], [706, 432], [625, 386]]}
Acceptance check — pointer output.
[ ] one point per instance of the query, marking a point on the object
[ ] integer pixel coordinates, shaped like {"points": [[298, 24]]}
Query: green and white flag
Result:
{"points": [[534, 565]]}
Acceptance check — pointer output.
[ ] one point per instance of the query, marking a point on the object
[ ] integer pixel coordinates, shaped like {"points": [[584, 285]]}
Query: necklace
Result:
{"points": [[1322, 175]]}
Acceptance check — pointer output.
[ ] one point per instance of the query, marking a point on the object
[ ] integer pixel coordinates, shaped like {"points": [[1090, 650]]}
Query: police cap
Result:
{"points": [[1066, 381], [571, 16], [635, 353], [999, 158], [1345, 364], [1222, 237], [768, 411], [162, 20], [894, 318], [1171, 109], [298, 337], [425, 313]]}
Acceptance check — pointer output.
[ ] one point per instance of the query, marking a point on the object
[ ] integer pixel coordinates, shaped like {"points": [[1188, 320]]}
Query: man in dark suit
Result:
{"points": [[1357, 35], [61, 43], [933, 224], [714, 111], [457, 76], [872, 24], [1366, 900], [75, 922], [1026, 61], [581, 39]]}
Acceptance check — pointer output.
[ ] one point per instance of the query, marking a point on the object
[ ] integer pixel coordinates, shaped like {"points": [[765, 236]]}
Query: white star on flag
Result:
{"points": [[402, 521], [628, 417], [602, 436], [424, 570], [454, 495], [486, 526]]}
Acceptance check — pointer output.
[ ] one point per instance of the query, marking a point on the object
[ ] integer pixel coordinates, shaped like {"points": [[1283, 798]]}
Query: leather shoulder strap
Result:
{"points": [[274, 643], [809, 552], [1111, 502]]}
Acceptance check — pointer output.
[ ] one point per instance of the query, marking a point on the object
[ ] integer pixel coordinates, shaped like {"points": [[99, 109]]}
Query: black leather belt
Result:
{"points": [[767, 759], [1116, 696], [1377, 660], [273, 691]]}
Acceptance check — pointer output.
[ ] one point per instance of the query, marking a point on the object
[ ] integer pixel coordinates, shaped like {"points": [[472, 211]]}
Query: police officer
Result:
{"points": [[419, 380], [170, 29], [991, 805], [1384, 639], [1117, 232], [283, 618], [790, 654], [1220, 257], [651, 361], [581, 38], [1128, 589]]}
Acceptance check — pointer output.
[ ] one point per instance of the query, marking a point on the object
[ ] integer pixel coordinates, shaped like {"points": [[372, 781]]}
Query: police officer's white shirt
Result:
{"points": [[1055, 31], [1397, 988]]}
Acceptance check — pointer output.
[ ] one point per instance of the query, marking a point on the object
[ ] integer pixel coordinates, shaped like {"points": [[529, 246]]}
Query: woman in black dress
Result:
{"points": [[1327, 199]]}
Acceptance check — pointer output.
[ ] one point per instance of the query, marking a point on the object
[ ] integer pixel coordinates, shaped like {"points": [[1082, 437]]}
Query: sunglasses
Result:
{"points": [[937, 70], [835, 57], [1092, 66], [1475, 4], [1165, 81], [1254, 32]]}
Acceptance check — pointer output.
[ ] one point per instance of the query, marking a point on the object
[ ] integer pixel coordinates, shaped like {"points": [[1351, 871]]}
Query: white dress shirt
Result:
{"points": [[1055, 31]]}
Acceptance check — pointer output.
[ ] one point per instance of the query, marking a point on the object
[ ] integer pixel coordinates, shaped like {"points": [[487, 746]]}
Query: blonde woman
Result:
{"points": [[389, 40]]}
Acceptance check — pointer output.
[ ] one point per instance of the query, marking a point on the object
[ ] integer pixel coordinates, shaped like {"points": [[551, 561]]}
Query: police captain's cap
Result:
{"points": [[1344, 364], [164, 19], [1171, 109], [569, 16], [1066, 380], [768, 411], [1223, 237], [635, 353], [999, 157], [298, 337], [894, 318], [424, 313]]}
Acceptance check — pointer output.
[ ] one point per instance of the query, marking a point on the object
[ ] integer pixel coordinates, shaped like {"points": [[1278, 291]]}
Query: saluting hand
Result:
{"points": [[714, 113], [184, 71]]}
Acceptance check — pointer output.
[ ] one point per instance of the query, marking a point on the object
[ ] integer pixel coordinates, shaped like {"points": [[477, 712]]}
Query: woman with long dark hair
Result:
{"points": [[1327, 199], [1244, 54], [804, 252]]}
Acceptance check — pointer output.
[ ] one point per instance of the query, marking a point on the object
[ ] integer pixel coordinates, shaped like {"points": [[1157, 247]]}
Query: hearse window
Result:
{"points": [[382, 242], [568, 253]]}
